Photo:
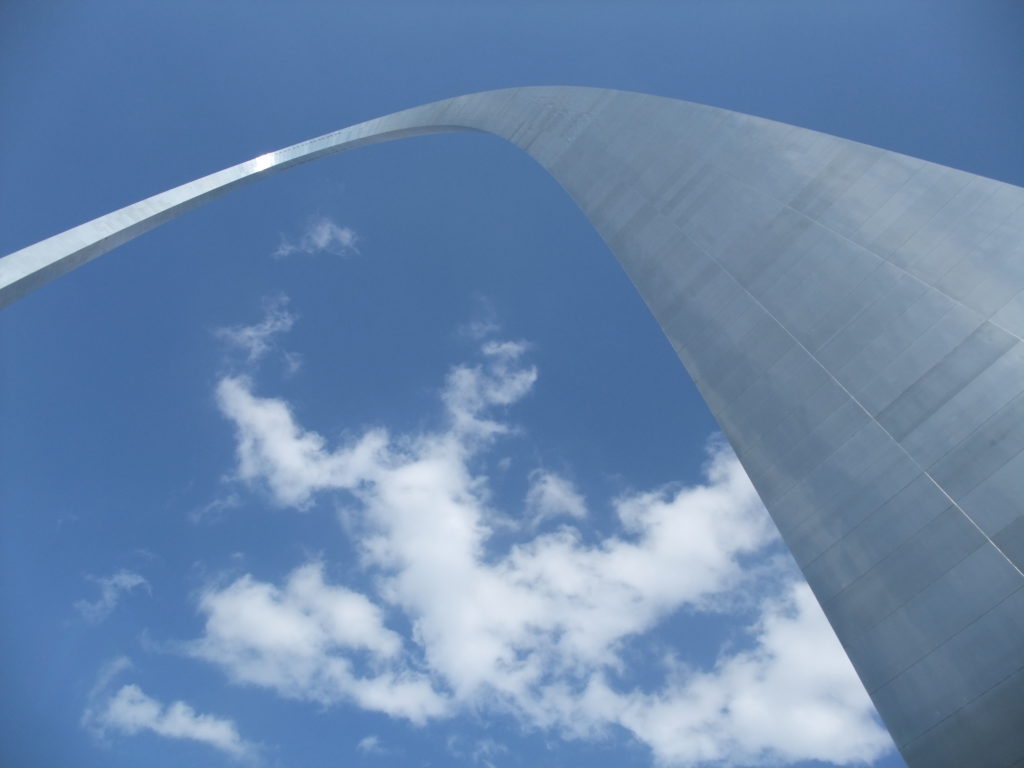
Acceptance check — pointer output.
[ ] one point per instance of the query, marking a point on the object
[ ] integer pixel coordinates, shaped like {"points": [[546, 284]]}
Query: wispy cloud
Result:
{"points": [[485, 323], [322, 235], [216, 510], [371, 745], [551, 495], [481, 752], [539, 630], [112, 588], [131, 711], [292, 363], [257, 340]]}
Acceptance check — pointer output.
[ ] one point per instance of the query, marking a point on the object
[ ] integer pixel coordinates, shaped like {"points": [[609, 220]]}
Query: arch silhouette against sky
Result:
{"points": [[854, 319]]}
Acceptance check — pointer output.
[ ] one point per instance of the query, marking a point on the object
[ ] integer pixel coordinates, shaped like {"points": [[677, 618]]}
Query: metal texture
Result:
{"points": [[853, 318]]}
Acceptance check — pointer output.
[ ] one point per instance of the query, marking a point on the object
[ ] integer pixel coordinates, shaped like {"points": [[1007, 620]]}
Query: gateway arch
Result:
{"points": [[854, 319]]}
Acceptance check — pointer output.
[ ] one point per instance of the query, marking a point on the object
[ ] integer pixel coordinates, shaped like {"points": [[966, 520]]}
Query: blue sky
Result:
{"points": [[381, 461]]}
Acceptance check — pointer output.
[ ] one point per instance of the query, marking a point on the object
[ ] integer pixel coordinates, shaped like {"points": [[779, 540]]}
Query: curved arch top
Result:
{"points": [[853, 318]]}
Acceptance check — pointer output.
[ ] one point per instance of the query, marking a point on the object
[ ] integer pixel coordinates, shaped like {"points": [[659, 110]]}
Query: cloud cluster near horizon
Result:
{"points": [[541, 630]]}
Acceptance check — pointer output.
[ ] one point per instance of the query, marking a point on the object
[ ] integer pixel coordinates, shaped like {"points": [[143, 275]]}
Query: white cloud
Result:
{"points": [[107, 674], [111, 590], [303, 641], [479, 329], [551, 495], [792, 697], [539, 630], [470, 391], [293, 462], [322, 235], [370, 745], [483, 752], [215, 510], [292, 363], [130, 711], [256, 340], [485, 324]]}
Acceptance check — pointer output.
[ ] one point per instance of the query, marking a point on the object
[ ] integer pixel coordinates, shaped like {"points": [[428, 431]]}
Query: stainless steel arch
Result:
{"points": [[854, 319]]}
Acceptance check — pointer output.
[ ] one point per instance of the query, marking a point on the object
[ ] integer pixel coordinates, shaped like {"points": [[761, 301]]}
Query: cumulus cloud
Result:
{"points": [[303, 641], [473, 390], [540, 630], [322, 235], [292, 462], [112, 588], [256, 340], [792, 697], [131, 711]]}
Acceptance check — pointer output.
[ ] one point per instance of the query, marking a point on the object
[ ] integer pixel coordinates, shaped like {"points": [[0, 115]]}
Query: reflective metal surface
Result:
{"points": [[854, 319]]}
